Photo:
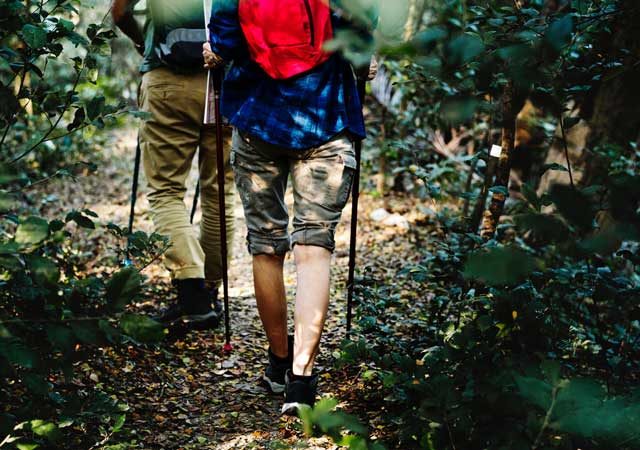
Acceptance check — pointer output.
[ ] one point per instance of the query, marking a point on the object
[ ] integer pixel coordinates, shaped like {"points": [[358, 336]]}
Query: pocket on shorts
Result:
{"points": [[348, 175]]}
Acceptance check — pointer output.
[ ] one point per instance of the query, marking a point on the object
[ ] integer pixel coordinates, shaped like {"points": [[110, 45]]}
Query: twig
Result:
{"points": [[155, 258], [5, 440], [547, 418], [57, 122], [37, 183], [22, 77]]}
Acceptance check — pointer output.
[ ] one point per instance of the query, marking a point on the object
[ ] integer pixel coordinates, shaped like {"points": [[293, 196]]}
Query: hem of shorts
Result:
{"points": [[267, 250], [187, 272], [315, 241]]}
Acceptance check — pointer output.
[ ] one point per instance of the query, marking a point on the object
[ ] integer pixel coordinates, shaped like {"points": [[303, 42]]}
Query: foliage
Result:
{"points": [[52, 312], [530, 338], [505, 352], [344, 429]]}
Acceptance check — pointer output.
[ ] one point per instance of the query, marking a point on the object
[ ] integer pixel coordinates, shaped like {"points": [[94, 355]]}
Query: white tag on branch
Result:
{"points": [[496, 151]]}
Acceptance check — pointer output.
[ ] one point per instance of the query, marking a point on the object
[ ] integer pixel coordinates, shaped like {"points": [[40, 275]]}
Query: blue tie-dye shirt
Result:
{"points": [[298, 113]]}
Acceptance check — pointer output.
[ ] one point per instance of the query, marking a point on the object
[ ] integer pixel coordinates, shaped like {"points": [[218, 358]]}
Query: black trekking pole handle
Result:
{"points": [[355, 197], [217, 87]]}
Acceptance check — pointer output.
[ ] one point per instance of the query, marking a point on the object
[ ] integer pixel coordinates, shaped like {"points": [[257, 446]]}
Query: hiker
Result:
{"points": [[173, 92], [292, 118]]}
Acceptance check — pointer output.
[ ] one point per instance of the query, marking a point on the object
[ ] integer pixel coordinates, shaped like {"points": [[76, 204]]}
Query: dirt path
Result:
{"points": [[184, 393]]}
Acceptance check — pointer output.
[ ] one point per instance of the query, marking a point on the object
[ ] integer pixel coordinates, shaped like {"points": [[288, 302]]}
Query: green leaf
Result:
{"points": [[559, 32], [36, 384], [430, 35], [44, 270], [531, 195], [110, 333], [32, 230], [80, 219], [86, 332], [551, 370], [11, 263], [573, 205], [464, 48], [325, 405], [7, 201], [26, 446], [9, 248], [142, 328], [117, 426], [44, 429], [94, 107], [61, 337], [457, 110], [123, 287], [35, 37], [500, 266], [535, 391], [9, 106], [17, 353], [66, 25], [544, 226], [7, 175], [499, 190], [608, 240]]}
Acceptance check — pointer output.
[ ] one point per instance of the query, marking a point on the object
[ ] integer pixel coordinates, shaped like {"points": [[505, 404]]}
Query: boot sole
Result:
{"points": [[293, 408], [192, 319]]}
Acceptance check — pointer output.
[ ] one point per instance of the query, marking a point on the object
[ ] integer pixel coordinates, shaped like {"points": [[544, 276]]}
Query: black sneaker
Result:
{"points": [[300, 391], [193, 307], [274, 374]]}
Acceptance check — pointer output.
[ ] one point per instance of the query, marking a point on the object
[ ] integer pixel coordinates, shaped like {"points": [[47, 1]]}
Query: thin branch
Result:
{"points": [[22, 78], [547, 419], [57, 122], [37, 183]]}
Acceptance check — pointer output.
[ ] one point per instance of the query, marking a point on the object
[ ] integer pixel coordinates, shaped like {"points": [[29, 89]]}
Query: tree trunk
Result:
{"points": [[614, 117], [511, 106]]}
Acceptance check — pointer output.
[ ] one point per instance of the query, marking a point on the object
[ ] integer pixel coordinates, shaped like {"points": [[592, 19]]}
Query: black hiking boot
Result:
{"points": [[218, 306], [300, 391], [274, 374], [193, 307]]}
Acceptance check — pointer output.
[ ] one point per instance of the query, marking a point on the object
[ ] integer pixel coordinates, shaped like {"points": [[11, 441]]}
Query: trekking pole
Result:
{"points": [[196, 194], [134, 197], [218, 76], [354, 220], [214, 86]]}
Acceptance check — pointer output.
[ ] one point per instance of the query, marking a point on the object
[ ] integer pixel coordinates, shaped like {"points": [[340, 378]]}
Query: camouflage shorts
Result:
{"points": [[321, 177]]}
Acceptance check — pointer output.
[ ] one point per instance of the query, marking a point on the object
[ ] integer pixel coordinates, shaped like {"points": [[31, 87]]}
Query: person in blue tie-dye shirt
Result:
{"points": [[302, 127]]}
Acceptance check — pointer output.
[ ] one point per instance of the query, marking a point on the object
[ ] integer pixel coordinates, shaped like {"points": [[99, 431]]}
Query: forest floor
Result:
{"points": [[185, 393]]}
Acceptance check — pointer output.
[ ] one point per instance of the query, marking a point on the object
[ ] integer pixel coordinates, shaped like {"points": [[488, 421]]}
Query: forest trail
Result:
{"points": [[185, 393]]}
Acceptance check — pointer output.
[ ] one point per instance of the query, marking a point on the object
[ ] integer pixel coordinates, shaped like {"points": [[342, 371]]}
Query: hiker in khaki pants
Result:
{"points": [[170, 138]]}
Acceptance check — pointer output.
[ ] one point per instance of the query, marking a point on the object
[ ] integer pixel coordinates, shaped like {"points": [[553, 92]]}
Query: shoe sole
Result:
{"points": [[274, 387], [196, 318], [292, 409]]}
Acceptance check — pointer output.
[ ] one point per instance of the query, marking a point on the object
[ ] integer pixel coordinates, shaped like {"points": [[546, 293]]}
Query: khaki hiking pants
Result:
{"points": [[170, 139]]}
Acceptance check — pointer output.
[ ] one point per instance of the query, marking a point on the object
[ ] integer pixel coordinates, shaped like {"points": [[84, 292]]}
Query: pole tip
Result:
{"points": [[227, 348]]}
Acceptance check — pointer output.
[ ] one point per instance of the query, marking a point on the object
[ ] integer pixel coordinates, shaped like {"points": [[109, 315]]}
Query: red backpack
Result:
{"points": [[286, 37]]}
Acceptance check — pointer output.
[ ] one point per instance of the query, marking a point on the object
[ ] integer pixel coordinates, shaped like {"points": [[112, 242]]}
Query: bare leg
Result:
{"points": [[272, 301], [312, 302]]}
